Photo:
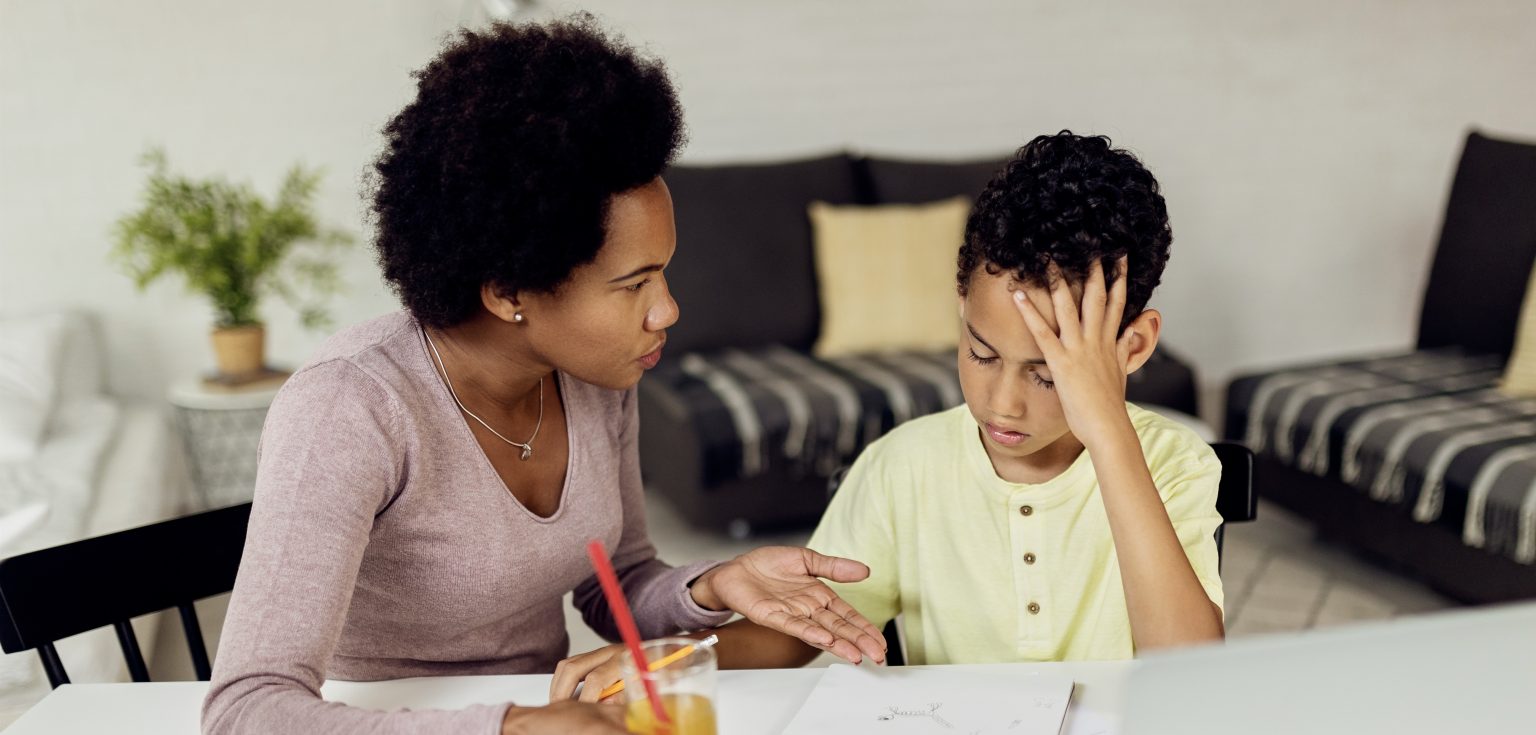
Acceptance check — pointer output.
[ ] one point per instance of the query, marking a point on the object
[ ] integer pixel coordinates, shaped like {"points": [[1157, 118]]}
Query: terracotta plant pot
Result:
{"points": [[240, 351]]}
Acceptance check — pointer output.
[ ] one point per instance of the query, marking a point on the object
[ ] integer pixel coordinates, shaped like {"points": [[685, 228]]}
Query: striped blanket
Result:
{"points": [[775, 408], [1426, 431]]}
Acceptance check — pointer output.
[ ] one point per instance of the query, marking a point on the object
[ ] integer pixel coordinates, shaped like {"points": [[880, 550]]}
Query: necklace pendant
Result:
{"points": [[527, 454]]}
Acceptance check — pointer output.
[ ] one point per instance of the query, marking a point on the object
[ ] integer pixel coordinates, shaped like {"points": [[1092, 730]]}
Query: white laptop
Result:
{"points": [[1467, 671]]}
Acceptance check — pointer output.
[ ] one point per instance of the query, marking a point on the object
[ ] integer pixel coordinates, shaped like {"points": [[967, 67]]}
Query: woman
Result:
{"points": [[428, 482]]}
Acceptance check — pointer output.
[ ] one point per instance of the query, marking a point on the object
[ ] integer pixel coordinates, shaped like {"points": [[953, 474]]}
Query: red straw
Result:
{"points": [[626, 621]]}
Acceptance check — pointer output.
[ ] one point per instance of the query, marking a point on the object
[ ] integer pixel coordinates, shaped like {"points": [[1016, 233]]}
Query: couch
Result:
{"points": [[742, 424], [1415, 457]]}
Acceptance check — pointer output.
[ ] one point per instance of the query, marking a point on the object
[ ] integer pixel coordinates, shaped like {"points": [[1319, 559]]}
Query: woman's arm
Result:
{"points": [[659, 594]]}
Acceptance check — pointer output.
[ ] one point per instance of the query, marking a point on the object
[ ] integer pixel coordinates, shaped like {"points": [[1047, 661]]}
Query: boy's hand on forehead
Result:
{"points": [[1083, 347]]}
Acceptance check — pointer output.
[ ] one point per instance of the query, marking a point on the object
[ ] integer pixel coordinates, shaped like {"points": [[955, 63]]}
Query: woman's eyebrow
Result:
{"points": [[654, 267]]}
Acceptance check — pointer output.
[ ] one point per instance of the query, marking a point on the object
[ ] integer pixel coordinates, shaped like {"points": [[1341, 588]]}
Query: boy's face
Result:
{"points": [[1003, 374]]}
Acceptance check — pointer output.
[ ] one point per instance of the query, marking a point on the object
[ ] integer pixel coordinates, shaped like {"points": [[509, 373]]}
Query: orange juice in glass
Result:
{"points": [[686, 686]]}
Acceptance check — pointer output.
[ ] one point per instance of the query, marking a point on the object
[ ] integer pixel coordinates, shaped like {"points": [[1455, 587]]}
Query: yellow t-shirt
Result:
{"points": [[986, 570]]}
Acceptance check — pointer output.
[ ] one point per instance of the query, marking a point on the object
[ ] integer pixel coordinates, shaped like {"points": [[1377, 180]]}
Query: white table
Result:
{"points": [[749, 701]]}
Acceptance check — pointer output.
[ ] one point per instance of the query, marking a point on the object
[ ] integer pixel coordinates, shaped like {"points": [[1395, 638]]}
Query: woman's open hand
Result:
{"points": [[780, 587]]}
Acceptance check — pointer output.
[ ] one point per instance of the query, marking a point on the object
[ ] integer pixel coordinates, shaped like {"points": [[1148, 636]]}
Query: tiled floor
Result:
{"points": [[1277, 577]]}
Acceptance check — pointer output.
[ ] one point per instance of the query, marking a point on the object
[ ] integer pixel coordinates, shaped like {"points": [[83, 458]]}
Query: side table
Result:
{"points": [[221, 428]]}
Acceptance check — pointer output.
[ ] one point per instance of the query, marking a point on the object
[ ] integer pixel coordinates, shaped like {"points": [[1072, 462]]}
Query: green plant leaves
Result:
{"points": [[231, 245]]}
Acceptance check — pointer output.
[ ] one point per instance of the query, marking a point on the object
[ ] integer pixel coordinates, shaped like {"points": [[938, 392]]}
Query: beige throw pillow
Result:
{"points": [[1520, 373], [887, 275]]}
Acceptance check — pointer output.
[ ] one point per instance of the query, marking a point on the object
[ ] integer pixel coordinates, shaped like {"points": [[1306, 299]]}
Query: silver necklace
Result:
{"points": [[527, 446]]}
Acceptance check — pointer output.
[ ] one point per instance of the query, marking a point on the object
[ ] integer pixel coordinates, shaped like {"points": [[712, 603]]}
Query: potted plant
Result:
{"points": [[234, 247]]}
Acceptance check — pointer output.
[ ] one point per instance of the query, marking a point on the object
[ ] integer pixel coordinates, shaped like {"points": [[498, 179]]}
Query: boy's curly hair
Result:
{"points": [[1071, 199], [502, 168]]}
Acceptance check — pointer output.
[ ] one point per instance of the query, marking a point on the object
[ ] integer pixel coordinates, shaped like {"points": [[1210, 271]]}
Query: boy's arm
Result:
{"points": [[1089, 360], [747, 645], [1168, 605]]}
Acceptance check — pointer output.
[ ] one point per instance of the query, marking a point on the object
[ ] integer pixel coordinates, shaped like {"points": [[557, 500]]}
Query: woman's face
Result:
{"points": [[607, 323]]}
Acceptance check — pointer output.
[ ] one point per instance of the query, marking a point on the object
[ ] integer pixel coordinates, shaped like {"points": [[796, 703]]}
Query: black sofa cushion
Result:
{"points": [[1165, 380], [898, 181], [744, 274], [1425, 433], [773, 409], [1487, 247]]}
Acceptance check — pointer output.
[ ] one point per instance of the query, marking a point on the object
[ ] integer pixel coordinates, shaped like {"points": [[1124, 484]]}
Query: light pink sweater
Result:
{"points": [[383, 545]]}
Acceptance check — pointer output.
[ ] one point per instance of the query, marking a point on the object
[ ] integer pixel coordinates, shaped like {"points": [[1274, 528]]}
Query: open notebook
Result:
{"points": [[933, 699]]}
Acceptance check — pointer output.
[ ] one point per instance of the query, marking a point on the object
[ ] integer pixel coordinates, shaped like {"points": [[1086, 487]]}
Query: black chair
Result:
{"points": [[58, 592], [1235, 500]]}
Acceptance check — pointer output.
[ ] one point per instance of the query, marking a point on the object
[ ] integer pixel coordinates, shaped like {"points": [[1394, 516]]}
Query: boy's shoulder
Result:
{"points": [[921, 436], [1168, 442]]}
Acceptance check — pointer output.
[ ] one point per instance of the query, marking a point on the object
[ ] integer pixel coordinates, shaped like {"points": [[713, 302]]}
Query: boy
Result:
{"points": [[1046, 519]]}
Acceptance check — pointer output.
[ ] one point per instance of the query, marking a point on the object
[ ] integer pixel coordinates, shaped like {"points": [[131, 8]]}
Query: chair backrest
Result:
{"points": [[1235, 500], [58, 592]]}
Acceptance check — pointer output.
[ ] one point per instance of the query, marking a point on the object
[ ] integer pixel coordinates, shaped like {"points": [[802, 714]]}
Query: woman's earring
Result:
{"points": [[517, 317]]}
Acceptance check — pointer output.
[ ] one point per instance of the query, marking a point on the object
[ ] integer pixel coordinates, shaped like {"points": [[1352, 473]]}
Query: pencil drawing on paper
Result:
{"points": [[931, 712]]}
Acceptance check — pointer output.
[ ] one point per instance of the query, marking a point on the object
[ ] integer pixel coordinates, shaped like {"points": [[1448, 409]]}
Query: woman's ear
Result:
{"points": [[501, 302], [1139, 339]]}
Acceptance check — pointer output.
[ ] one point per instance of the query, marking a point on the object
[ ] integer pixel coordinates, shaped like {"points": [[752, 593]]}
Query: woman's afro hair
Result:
{"points": [[501, 170]]}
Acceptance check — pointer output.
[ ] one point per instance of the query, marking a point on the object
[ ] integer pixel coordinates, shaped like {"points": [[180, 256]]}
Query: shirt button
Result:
{"points": [[1029, 558], [1034, 608], [1025, 510]]}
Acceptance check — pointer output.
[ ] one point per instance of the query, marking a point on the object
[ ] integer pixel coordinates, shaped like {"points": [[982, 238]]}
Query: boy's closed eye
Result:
{"points": [[990, 357]]}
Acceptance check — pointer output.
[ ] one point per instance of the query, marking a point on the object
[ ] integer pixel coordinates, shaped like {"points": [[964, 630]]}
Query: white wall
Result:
{"points": [[1305, 146]]}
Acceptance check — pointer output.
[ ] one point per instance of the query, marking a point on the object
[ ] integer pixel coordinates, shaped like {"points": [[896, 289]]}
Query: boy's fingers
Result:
{"points": [[1115, 308], [1037, 326], [1095, 296], [1067, 319]]}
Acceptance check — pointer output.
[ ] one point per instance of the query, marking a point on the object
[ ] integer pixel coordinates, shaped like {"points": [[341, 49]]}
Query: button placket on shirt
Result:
{"points": [[1028, 534]]}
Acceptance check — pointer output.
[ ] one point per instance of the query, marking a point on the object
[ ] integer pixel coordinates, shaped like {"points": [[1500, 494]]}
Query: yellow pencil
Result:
{"points": [[666, 660]]}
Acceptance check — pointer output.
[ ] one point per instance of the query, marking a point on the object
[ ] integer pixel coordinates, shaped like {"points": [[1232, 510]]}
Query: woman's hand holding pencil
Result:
{"points": [[584, 675]]}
